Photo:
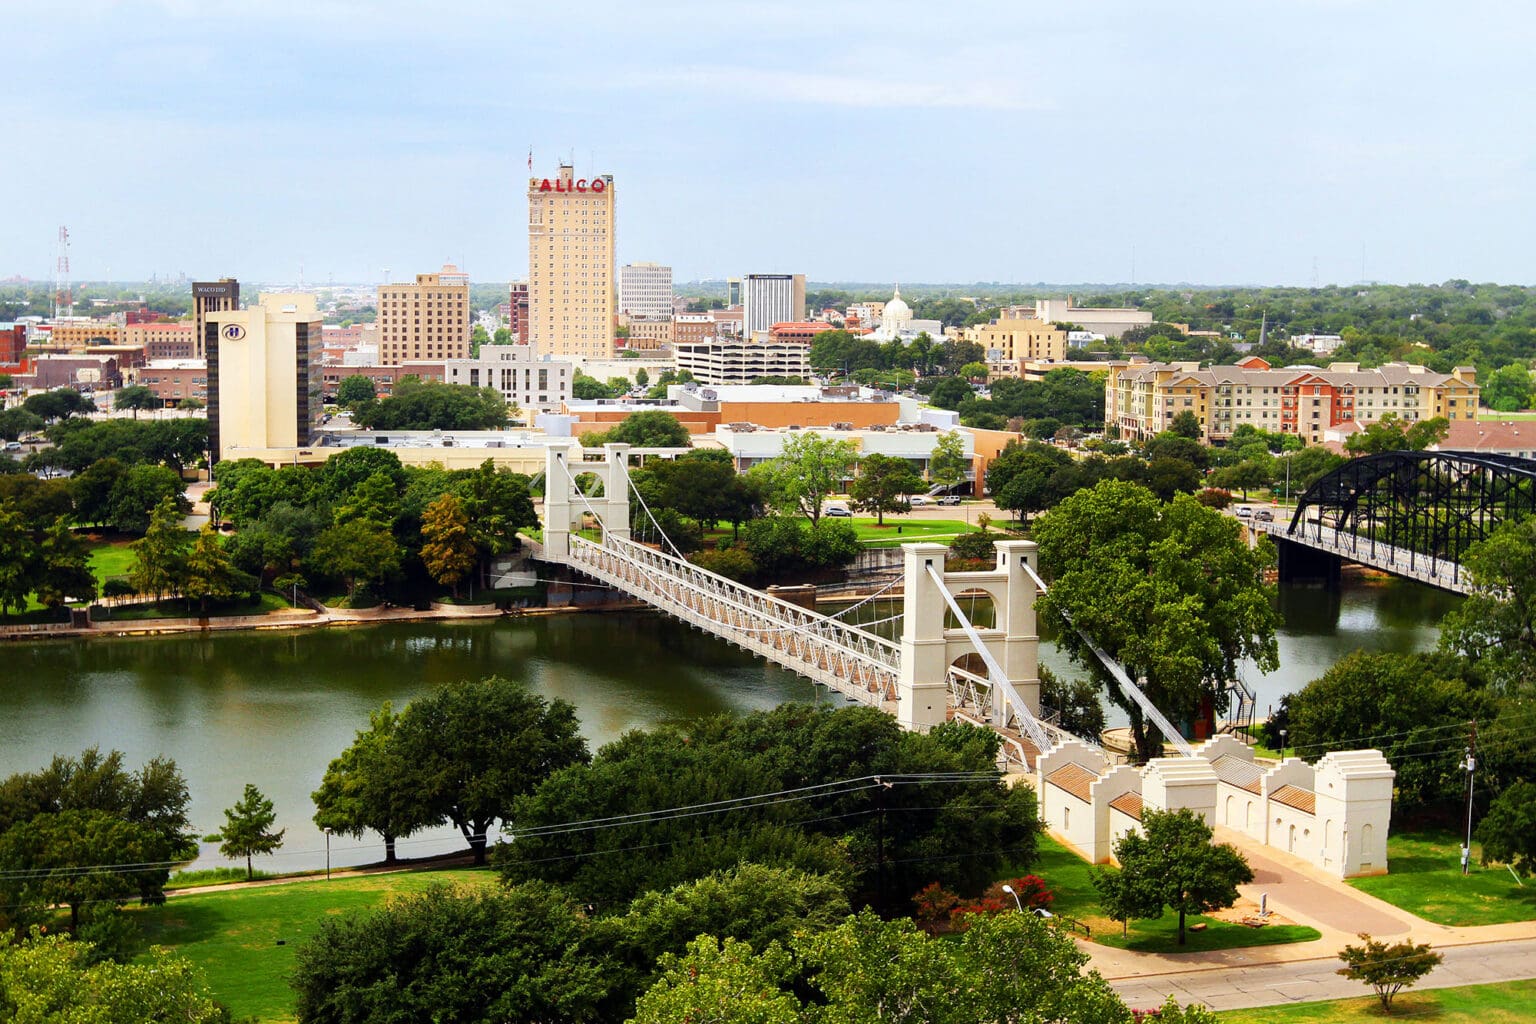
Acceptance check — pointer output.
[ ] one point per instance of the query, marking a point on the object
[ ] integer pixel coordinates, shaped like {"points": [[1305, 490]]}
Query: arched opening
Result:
{"points": [[590, 484], [1248, 818], [978, 608], [1227, 814], [1290, 840]]}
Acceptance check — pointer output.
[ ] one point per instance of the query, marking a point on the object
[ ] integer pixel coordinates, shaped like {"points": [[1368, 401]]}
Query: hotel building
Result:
{"points": [[264, 377], [571, 265]]}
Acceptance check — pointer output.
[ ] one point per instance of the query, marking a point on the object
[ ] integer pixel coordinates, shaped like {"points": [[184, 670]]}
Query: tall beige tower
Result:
{"points": [[210, 297], [425, 320], [571, 265], [264, 378]]}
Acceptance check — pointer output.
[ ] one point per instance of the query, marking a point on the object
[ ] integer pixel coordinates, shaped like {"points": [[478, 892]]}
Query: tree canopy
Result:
{"points": [[415, 404], [811, 469]]}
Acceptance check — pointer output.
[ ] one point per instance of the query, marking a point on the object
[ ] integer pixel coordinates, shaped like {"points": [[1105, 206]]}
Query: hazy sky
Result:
{"points": [[1220, 142]]}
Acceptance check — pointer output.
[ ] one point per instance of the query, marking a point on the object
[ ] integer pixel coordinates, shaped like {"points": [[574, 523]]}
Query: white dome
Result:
{"points": [[896, 311]]}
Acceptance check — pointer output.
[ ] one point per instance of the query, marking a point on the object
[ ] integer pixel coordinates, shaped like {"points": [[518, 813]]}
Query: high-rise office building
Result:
{"points": [[768, 299], [570, 265], [264, 376], [425, 320], [645, 289], [517, 311], [732, 292], [210, 297]]}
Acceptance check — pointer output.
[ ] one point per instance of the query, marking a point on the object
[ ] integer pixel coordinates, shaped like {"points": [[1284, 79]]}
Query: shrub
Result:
{"points": [[1214, 497], [973, 546], [933, 906], [732, 563]]}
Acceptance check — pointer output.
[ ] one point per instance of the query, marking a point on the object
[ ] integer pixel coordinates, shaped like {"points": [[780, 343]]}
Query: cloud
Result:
{"points": [[846, 90]]}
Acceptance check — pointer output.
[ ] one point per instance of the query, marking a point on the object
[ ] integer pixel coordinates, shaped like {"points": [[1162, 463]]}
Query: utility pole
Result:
{"points": [[882, 786], [1470, 764]]}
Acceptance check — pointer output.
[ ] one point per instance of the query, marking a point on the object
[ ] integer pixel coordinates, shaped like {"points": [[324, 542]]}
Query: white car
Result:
{"points": [[837, 512], [917, 501]]}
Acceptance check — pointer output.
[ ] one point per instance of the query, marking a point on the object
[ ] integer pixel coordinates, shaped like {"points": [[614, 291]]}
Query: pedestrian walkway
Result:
{"points": [[1304, 971]]}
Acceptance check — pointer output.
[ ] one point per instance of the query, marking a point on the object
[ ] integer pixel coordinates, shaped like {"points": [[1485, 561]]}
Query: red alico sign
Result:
{"points": [[577, 185]]}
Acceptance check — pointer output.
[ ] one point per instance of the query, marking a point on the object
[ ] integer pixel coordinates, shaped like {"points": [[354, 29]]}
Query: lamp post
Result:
{"points": [[327, 853], [1282, 744], [1009, 890]]}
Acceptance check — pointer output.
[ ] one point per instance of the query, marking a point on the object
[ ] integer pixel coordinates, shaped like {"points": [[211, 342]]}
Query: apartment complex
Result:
{"points": [[175, 380], [1142, 399], [526, 382], [1011, 342], [645, 289], [209, 297], [517, 311], [427, 320], [571, 265], [263, 376], [769, 299]]}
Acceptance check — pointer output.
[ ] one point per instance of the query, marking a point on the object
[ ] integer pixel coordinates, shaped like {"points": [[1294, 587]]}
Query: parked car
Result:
{"points": [[13, 446], [917, 501], [1264, 515], [950, 499], [1243, 512], [837, 512]]}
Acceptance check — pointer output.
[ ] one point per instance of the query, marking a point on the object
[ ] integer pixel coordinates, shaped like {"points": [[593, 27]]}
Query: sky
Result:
{"points": [[1146, 141]]}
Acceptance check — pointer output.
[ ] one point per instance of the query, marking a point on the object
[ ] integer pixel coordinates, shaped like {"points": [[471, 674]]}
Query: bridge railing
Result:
{"points": [[1368, 551], [856, 663]]}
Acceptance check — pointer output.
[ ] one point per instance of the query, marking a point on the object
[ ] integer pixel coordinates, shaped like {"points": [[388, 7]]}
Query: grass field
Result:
{"points": [[111, 559], [1510, 1002], [1069, 877], [1424, 878], [234, 936], [905, 531]]}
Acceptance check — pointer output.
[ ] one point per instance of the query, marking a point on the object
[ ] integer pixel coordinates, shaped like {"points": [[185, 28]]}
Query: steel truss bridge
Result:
{"points": [[1410, 513]]}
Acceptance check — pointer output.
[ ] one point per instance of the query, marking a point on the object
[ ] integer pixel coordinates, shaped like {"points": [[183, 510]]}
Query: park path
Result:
{"points": [[1304, 971]]}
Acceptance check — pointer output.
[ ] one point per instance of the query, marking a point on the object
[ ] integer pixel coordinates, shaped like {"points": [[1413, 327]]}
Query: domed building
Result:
{"points": [[896, 321]]}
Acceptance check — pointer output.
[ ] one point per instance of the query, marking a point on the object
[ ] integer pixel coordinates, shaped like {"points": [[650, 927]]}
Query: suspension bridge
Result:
{"points": [[942, 666]]}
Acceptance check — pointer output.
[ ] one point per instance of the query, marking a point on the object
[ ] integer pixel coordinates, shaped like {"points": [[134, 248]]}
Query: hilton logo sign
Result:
{"points": [[578, 185]]}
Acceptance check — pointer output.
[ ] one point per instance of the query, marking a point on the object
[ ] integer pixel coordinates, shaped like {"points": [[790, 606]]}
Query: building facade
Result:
{"points": [[1018, 341], [384, 378], [768, 299], [517, 311], [175, 380], [264, 388], [1108, 321], [571, 224], [645, 289], [739, 362], [163, 341], [650, 334], [76, 335], [1142, 399], [209, 297], [526, 382], [428, 320]]}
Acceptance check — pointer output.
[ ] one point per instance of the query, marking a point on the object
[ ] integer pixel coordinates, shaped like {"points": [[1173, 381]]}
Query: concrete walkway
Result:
{"points": [[1304, 971]]}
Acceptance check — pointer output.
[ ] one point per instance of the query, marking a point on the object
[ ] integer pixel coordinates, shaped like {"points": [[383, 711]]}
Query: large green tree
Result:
{"points": [[135, 398], [883, 484], [648, 428], [248, 828], [1495, 627], [1169, 590], [811, 468], [359, 552], [160, 556], [948, 464], [18, 559], [53, 980], [470, 749], [1172, 863], [448, 549], [1508, 389], [355, 390], [64, 567], [210, 572], [1508, 831], [362, 789], [1028, 478]]}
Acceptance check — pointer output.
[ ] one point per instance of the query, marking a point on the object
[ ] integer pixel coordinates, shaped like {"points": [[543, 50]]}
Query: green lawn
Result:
{"points": [[244, 939], [1510, 1002], [905, 531], [1068, 876], [1424, 878], [110, 560]]}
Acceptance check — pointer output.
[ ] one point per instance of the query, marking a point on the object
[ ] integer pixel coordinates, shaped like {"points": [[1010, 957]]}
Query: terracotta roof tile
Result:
{"points": [[1074, 779], [1128, 803], [1303, 800]]}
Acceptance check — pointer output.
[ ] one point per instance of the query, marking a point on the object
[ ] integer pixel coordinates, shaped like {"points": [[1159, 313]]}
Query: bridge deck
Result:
{"points": [[1437, 572]]}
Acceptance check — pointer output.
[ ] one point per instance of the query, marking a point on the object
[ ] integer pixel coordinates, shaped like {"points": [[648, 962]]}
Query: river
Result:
{"points": [[273, 707]]}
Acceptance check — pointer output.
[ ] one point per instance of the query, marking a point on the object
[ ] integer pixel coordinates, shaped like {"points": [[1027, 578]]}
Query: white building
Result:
{"points": [[645, 289], [769, 299], [750, 445], [739, 362], [1110, 322], [1322, 344], [898, 324], [523, 379]]}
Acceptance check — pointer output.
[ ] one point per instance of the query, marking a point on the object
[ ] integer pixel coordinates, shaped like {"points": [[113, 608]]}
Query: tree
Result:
{"points": [[160, 556], [415, 404], [471, 748], [138, 491], [53, 979], [210, 572], [64, 567], [721, 982], [359, 552], [15, 423], [1170, 591], [1508, 831], [974, 372], [642, 378], [949, 392], [135, 398], [1391, 434], [362, 789], [191, 404], [1186, 424], [948, 465], [882, 485], [447, 550], [1388, 969], [1174, 864], [355, 390], [248, 829], [1495, 627], [1508, 388], [648, 428], [522, 956], [588, 388], [18, 560], [810, 469]]}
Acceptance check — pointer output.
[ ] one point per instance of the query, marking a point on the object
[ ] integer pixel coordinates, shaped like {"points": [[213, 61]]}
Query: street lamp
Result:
{"points": [[327, 853], [1282, 744], [1009, 890]]}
